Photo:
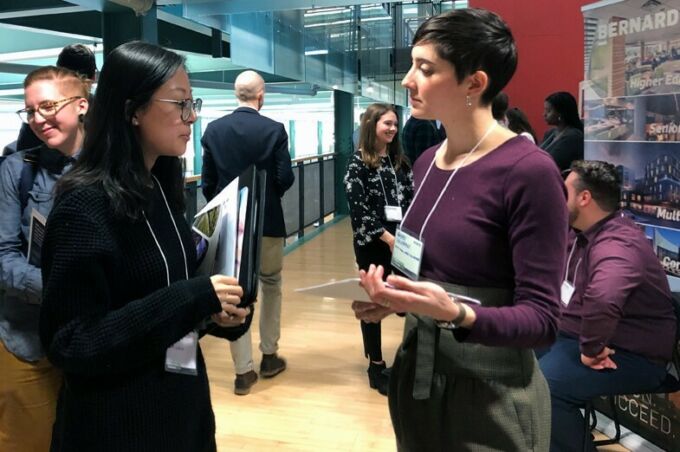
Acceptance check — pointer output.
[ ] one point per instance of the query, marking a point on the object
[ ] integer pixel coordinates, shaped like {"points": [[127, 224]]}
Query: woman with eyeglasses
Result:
{"points": [[123, 311], [55, 103]]}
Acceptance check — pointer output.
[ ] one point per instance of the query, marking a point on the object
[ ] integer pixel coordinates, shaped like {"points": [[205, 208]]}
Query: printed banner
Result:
{"points": [[631, 111]]}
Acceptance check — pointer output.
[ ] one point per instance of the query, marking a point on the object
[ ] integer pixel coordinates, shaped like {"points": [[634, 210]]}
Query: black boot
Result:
{"points": [[377, 378]]}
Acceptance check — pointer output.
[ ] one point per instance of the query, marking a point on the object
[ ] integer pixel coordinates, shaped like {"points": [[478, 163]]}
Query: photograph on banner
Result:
{"points": [[653, 67], [635, 118], [666, 245], [633, 50], [650, 176], [607, 119], [630, 99]]}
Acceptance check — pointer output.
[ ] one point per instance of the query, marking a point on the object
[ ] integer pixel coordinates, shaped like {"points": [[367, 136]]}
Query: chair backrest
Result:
{"points": [[675, 360]]}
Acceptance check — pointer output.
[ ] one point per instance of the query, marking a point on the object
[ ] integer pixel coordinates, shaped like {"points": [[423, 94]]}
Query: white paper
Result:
{"points": [[346, 289], [407, 254], [214, 232], [566, 292], [393, 213], [180, 357], [349, 289]]}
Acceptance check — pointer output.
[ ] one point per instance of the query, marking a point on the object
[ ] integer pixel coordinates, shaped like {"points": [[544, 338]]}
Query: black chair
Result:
{"points": [[669, 385]]}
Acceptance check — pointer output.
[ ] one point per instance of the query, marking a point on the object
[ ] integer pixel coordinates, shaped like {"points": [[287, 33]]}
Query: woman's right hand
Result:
{"points": [[370, 312], [229, 293], [388, 238]]}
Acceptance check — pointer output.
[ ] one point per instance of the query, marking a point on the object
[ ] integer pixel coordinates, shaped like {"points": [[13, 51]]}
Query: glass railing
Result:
{"points": [[306, 203]]}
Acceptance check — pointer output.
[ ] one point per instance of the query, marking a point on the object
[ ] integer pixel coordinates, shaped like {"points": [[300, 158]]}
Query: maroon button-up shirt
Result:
{"points": [[621, 297]]}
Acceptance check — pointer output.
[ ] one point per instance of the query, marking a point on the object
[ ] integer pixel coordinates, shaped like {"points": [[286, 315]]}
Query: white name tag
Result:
{"points": [[566, 292], [393, 213], [180, 357], [407, 254]]}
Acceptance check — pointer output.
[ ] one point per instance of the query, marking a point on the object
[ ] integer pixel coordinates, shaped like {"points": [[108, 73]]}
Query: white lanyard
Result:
{"points": [[165, 260], [566, 271], [453, 173], [396, 183], [180, 357]]}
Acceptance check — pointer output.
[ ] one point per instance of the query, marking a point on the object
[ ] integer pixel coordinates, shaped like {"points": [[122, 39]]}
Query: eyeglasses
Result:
{"points": [[188, 106], [47, 109]]}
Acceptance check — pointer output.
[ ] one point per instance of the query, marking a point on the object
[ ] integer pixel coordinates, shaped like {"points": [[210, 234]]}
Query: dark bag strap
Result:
{"points": [[26, 179], [28, 173]]}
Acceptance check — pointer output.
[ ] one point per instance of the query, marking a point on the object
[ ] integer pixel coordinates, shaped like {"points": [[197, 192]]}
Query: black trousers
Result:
{"points": [[377, 253]]}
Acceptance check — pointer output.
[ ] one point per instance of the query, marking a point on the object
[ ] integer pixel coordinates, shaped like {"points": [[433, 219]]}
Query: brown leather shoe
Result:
{"points": [[244, 382], [272, 365]]}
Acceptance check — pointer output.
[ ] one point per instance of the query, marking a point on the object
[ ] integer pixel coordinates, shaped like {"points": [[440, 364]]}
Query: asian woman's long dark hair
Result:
{"points": [[112, 156]]}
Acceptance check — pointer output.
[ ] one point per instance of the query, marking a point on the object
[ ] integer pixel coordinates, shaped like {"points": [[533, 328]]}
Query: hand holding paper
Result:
{"points": [[229, 293], [229, 320], [403, 295]]}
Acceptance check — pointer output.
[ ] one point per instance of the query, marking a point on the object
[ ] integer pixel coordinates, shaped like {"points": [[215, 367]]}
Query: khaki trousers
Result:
{"points": [[28, 402], [269, 305]]}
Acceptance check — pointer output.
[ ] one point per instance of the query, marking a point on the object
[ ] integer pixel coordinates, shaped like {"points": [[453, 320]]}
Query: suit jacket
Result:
{"points": [[420, 135], [234, 142], [564, 148]]}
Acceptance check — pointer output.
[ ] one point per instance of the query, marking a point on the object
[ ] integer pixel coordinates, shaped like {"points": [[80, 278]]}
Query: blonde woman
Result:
{"points": [[56, 100]]}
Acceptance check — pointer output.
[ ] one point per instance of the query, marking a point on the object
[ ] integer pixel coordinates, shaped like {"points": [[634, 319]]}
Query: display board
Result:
{"points": [[631, 111]]}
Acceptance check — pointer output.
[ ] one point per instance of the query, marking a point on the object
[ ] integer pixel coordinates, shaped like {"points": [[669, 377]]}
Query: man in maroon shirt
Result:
{"points": [[617, 329]]}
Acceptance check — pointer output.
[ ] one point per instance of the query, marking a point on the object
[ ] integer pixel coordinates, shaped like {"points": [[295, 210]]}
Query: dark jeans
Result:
{"points": [[377, 253], [572, 384]]}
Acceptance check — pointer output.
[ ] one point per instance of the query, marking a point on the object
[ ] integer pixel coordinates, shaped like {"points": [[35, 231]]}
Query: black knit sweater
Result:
{"points": [[107, 319]]}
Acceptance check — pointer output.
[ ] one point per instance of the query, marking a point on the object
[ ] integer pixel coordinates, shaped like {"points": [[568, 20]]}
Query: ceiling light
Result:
{"points": [[651, 5]]}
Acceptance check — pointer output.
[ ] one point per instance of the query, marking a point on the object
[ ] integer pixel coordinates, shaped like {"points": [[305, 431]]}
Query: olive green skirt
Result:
{"points": [[447, 395]]}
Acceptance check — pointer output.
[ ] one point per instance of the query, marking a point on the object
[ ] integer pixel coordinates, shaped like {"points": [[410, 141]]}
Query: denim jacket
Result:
{"points": [[21, 282]]}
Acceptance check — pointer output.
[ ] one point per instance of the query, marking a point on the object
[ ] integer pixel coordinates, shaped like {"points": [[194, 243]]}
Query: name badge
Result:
{"points": [[180, 357], [407, 254], [566, 292], [393, 213]]}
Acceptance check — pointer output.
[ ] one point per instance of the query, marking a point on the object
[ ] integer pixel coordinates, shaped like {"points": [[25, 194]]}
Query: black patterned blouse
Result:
{"points": [[367, 199]]}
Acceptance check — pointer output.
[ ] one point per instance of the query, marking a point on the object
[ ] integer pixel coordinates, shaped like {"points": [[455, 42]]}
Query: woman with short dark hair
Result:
{"points": [[122, 309], [484, 242]]}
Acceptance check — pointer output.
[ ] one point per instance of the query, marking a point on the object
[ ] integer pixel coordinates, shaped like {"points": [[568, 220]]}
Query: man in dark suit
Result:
{"points": [[230, 145], [420, 135]]}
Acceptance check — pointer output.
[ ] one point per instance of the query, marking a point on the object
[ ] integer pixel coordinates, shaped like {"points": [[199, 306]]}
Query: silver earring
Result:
{"points": [[135, 122], [468, 101]]}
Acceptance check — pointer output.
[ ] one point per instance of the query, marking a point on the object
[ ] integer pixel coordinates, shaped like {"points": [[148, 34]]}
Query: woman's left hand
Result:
{"points": [[236, 317], [404, 295]]}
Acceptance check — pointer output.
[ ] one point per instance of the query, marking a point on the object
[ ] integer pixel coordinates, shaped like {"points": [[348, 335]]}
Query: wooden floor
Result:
{"points": [[322, 401]]}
